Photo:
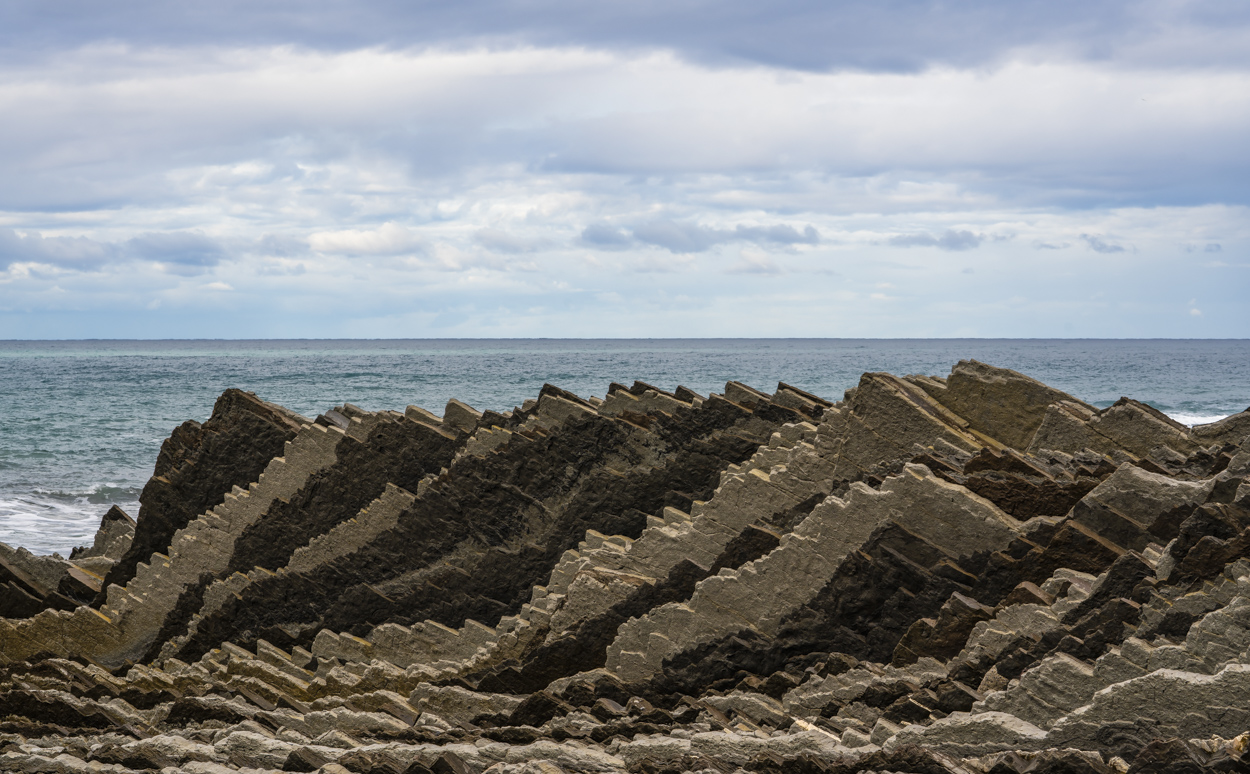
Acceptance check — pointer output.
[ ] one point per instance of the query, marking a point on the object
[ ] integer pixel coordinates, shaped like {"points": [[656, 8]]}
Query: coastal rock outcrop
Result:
{"points": [[975, 574]]}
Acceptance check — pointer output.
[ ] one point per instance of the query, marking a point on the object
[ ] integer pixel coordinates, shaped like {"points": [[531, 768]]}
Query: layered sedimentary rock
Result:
{"points": [[976, 573], [30, 584], [199, 464]]}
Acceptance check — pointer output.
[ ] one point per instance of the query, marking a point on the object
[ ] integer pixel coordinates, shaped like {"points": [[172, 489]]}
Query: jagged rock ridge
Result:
{"points": [[976, 573]]}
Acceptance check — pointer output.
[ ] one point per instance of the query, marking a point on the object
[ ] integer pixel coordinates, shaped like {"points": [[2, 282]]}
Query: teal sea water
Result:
{"points": [[81, 422]]}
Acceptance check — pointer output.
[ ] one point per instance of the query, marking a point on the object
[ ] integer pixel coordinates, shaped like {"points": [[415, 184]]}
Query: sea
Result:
{"points": [[81, 422]]}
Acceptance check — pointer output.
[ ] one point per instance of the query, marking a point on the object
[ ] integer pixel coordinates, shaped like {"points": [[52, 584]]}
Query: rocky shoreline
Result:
{"points": [[976, 573]]}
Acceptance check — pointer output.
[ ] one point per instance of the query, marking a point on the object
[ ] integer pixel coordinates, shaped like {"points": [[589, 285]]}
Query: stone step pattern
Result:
{"points": [[198, 465], [867, 610], [715, 548], [632, 470], [1058, 701], [380, 515], [606, 570], [407, 448], [627, 553], [224, 430], [473, 646], [380, 448], [124, 627], [1196, 687], [760, 594], [254, 575], [1148, 519], [884, 420]]}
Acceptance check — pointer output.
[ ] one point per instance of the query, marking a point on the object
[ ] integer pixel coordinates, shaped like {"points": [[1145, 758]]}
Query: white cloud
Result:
{"points": [[387, 239], [754, 262]]}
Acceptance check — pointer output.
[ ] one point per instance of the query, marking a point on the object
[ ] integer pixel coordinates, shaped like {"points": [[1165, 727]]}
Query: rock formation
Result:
{"points": [[975, 574]]}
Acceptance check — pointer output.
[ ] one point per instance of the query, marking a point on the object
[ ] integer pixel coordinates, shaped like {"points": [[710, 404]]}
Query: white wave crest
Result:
{"points": [[1190, 420], [50, 524]]}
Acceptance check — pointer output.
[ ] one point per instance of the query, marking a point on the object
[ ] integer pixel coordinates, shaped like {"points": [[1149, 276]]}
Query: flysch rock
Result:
{"points": [[30, 584], [111, 542], [605, 571], [455, 638], [975, 574], [1233, 429], [125, 626], [342, 540], [1134, 507], [760, 594], [1127, 427], [998, 402], [198, 466], [433, 642]]}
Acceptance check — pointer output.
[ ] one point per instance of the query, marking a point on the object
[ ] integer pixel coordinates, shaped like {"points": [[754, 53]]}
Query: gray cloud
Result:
{"points": [[685, 237], [804, 34], [1100, 245], [182, 252], [280, 246], [65, 252], [117, 129], [947, 240], [679, 237], [502, 241], [274, 270], [781, 234], [606, 237], [186, 249]]}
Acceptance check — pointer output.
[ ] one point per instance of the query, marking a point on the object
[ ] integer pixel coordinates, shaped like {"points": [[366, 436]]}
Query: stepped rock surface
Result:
{"points": [[976, 574]]}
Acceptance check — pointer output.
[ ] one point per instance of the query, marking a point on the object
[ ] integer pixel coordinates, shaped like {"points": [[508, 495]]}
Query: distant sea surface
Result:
{"points": [[81, 422]]}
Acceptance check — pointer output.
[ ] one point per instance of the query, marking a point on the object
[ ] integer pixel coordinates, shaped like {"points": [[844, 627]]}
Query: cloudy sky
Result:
{"points": [[643, 168]]}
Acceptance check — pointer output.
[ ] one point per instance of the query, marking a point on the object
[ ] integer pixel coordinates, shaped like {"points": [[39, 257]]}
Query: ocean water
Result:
{"points": [[81, 422]]}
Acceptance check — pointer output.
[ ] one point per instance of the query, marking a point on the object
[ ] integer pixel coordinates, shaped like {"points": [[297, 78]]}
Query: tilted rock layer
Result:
{"points": [[976, 573]]}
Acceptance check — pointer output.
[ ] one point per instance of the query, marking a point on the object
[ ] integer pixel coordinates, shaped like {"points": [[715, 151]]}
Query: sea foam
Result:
{"points": [[1192, 420], [54, 522]]}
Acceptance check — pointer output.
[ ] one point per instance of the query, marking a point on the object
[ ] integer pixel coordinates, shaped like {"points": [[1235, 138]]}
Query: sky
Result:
{"points": [[686, 168]]}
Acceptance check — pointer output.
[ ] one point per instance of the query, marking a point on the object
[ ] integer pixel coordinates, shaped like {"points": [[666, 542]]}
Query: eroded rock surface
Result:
{"points": [[975, 574]]}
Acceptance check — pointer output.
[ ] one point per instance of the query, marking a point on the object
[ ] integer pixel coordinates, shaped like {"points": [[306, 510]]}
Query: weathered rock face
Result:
{"points": [[998, 402], [975, 574], [198, 465]]}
